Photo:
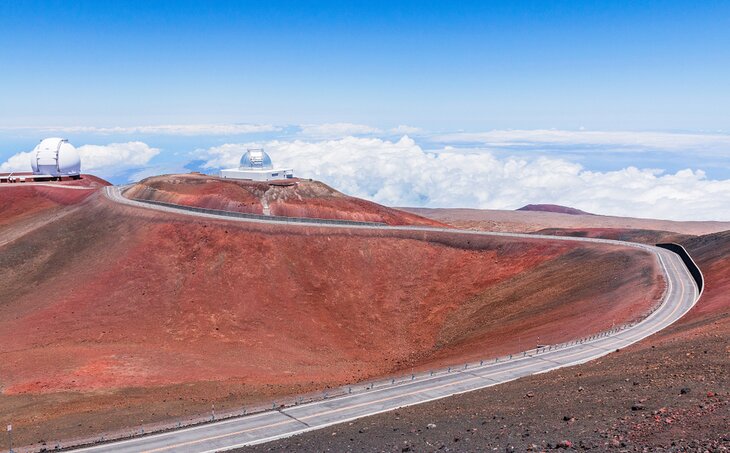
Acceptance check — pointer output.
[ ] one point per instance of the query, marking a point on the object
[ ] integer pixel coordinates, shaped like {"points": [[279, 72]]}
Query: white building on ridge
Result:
{"points": [[256, 165], [55, 157]]}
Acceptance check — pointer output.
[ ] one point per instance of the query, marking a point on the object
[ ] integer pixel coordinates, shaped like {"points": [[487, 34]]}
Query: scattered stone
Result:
{"points": [[564, 444], [430, 426], [530, 394], [637, 407]]}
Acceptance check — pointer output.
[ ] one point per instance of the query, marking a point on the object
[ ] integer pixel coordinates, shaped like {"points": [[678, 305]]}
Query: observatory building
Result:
{"points": [[52, 159], [256, 165], [55, 158]]}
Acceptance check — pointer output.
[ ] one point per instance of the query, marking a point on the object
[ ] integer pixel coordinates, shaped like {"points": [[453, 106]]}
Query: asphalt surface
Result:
{"points": [[680, 297]]}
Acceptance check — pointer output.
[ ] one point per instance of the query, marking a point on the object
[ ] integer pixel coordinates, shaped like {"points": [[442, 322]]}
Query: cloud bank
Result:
{"points": [[632, 141], [401, 173]]}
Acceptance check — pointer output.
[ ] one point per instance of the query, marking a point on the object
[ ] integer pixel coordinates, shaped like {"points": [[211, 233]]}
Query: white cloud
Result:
{"points": [[401, 173], [16, 162], [115, 158], [167, 129], [102, 160], [336, 130], [665, 141]]}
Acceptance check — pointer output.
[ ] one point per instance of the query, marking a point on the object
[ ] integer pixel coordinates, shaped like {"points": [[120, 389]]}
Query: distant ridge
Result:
{"points": [[553, 208]]}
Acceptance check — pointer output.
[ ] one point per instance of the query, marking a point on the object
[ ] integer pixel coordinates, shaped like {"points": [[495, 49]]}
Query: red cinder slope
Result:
{"points": [[669, 392], [26, 206], [288, 198], [113, 314]]}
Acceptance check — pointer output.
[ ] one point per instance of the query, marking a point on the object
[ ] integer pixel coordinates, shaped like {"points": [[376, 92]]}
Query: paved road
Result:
{"points": [[680, 296]]}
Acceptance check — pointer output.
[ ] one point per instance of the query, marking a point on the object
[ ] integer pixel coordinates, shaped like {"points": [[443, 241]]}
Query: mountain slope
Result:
{"points": [[287, 198], [111, 315]]}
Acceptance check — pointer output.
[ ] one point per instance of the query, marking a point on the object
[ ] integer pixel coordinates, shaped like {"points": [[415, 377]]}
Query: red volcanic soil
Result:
{"points": [[530, 221], [26, 206], [553, 208], [669, 393], [287, 198], [113, 316], [27, 199]]}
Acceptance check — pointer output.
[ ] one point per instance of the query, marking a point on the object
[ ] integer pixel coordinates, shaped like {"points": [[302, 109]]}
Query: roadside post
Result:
{"points": [[10, 437]]}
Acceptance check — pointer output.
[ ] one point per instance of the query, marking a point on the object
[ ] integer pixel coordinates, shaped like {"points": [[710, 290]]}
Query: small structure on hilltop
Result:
{"points": [[256, 165], [51, 159], [55, 157]]}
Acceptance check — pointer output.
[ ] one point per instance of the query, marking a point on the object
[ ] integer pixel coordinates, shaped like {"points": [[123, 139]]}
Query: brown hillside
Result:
{"points": [[532, 221], [553, 208], [112, 316], [26, 206], [287, 198]]}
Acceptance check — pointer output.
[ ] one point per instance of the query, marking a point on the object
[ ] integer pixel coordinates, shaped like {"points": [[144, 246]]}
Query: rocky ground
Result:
{"points": [[670, 392], [673, 397]]}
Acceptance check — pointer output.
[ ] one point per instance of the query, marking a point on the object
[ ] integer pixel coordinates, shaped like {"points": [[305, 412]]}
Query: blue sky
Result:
{"points": [[600, 65], [81, 69]]}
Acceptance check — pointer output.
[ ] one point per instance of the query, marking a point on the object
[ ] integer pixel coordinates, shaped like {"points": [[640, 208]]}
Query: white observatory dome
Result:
{"points": [[55, 157], [256, 158]]}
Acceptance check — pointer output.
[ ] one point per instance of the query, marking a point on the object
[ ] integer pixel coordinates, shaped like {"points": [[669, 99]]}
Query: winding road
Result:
{"points": [[681, 295]]}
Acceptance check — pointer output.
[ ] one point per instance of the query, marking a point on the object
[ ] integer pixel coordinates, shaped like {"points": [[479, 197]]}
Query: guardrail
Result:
{"points": [[694, 269], [269, 218]]}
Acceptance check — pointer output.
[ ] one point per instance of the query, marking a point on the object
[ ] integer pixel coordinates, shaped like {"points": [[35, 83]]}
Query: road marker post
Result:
{"points": [[10, 437]]}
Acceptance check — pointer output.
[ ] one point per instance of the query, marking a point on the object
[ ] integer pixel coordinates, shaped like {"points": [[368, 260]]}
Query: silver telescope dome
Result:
{"points": [[256, 158]]}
